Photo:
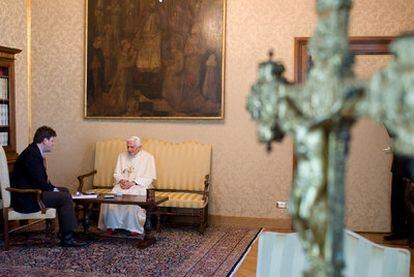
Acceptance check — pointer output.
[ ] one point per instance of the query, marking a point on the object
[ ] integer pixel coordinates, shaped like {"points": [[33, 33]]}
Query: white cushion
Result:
{"points": [[182, 200], [50, 213], [281, 254]]}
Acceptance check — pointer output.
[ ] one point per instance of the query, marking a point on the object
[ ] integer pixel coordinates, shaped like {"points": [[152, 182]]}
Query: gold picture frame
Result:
{"points": [[151, 59]]}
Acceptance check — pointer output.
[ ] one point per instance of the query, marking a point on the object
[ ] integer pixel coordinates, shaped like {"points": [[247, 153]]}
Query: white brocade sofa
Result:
{"points": [[183, 171], [281, 254]]}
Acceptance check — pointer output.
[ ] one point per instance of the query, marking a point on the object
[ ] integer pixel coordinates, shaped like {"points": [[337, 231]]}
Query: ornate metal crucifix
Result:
{"points": [[319, 114]]}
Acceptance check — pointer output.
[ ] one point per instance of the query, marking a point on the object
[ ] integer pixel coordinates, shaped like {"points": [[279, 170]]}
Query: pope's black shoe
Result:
{"points": [[69, 241]]}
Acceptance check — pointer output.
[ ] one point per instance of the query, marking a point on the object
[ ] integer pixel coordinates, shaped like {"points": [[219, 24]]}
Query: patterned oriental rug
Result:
{"points": [[177, 252]]}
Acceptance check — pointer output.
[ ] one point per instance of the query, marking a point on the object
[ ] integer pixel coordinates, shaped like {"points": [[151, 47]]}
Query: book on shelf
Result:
{"points": [[4, 88], [4, 115], [4, 138]]}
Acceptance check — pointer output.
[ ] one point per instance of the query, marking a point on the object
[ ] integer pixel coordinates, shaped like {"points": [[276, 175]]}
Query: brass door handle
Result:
{"points": [[387, 150]]}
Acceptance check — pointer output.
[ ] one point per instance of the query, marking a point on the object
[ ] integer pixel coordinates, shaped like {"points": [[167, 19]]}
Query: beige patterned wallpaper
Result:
{"points": [[13, 33], [246, 180]]}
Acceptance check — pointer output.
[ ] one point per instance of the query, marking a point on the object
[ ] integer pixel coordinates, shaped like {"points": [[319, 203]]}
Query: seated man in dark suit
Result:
{"points": [[30, 173], [402, 168], [409, 202]]}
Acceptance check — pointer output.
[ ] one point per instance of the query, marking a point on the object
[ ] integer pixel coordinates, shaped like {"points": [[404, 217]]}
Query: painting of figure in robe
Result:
{"points": [[147, 59]]}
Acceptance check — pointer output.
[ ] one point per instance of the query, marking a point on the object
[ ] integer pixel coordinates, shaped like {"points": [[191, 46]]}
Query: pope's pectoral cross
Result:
{"points": [[128, 170], [318, 115]]}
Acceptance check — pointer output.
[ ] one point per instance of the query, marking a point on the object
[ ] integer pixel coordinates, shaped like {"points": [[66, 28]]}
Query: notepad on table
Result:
{"points": [[84, 196]]}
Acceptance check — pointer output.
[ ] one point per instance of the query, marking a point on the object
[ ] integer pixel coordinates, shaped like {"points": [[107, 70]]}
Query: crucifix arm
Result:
{"points": [[390, 95]]}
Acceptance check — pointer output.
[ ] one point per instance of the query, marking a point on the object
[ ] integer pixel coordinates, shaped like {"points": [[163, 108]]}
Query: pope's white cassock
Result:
{"points": [[139, 168]]}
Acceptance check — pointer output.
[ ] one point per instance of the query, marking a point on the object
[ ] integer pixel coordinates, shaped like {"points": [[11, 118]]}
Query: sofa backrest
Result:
{"points": [[179, 165], [106, 154]]}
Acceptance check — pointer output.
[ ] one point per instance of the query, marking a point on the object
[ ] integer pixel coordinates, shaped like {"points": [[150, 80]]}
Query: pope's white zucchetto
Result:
{"points": [[136, 139]]}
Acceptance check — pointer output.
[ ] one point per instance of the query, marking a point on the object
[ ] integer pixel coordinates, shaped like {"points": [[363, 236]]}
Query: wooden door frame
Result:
{"points": [[357, 46]]}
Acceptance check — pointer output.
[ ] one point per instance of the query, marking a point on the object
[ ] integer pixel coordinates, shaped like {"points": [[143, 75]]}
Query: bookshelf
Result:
{"points": [[7, 103]]}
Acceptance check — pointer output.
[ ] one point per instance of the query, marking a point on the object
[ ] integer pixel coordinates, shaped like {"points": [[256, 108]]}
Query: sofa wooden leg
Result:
{"points": [[202, 229], [206, 216], [201, 217]]}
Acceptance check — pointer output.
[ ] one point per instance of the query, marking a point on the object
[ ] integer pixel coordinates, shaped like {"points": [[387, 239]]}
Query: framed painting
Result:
{"points": [[152, 59]]}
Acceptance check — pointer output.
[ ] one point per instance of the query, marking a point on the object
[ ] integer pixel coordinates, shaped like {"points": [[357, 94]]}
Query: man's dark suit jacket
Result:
{"points": [[403, 166], [29, 173]]}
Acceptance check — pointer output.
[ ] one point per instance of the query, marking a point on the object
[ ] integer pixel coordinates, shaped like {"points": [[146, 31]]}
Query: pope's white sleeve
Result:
{"points": [[143, 181]]}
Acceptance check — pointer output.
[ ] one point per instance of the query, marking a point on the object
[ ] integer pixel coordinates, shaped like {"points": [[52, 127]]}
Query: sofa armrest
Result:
{"points": [[206, 186], [38, 193], [82, 177]]}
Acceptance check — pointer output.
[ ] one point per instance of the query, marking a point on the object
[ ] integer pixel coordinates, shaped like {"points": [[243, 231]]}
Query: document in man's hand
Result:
{"points": [[84, 196]]}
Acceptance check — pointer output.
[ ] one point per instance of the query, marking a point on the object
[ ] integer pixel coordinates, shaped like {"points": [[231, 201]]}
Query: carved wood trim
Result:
{"points": [[357, 46], [9, 50], [7, 61]]}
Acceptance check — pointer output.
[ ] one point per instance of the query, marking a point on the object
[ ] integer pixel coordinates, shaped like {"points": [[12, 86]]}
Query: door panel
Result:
{"points": [[368, 176]]}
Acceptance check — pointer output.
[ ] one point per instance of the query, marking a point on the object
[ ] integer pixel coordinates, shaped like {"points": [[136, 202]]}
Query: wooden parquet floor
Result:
{"points": [[248, 267]]}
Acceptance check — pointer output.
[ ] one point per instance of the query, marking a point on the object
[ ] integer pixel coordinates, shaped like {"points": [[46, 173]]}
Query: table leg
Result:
{"points": [[146, 241], [85, 221], [148, 224], [148, 238], [158, 213]]}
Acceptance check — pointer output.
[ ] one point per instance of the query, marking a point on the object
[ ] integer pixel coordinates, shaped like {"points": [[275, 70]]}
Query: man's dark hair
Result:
{"points": [[42, 133]]}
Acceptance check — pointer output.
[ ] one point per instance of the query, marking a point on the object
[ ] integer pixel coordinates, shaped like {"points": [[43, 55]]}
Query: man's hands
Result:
{"points": [[125, 184]]}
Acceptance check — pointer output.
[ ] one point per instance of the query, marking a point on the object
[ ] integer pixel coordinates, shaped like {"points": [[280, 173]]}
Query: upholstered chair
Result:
{"points": [[48, 214]]}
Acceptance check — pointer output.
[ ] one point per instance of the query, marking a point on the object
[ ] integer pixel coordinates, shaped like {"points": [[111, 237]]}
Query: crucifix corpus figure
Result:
{"points": [[319, 113]]}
